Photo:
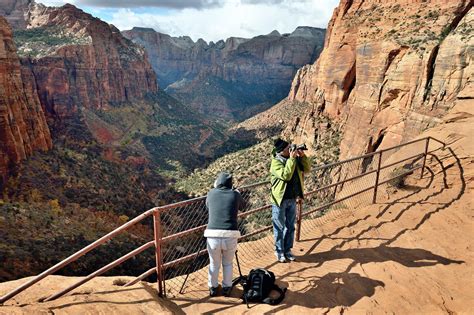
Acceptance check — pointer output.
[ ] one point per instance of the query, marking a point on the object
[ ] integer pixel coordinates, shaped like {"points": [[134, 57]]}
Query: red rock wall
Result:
{"points": [[23, 127], [106, 71], [389, 69]]}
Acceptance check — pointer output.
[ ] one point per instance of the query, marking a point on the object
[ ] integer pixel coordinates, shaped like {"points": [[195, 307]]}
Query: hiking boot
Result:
{"points": [[290, 256], [281, 258], [212, 291], [226, 291]]}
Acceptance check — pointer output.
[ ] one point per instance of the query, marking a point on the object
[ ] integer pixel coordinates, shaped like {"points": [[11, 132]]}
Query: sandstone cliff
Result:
{"points": [[23, 127], [80, 61], [388, 71], [227, 78], [15, 12]]}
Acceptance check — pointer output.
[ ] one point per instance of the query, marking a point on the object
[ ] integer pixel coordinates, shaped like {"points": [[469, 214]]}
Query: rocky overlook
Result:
{"points": [[227, 78], [23, 127], [388, 71]]}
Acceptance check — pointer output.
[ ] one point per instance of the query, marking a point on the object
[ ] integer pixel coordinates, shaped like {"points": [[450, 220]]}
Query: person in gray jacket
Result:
{"points": [[222, 233]]}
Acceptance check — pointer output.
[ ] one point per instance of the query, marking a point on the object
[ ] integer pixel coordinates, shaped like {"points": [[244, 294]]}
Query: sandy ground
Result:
{"points": [[411, 253]]}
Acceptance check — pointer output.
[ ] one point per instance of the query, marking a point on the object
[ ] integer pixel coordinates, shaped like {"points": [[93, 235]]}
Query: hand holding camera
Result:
{"points": [[297, 150]]}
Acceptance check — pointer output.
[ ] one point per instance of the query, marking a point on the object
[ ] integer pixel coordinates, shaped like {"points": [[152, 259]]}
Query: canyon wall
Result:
{"points": [[80, 61], [388, 71], [56, 62], [229, 79], [273, 57], [96, 85], [23, 127]]}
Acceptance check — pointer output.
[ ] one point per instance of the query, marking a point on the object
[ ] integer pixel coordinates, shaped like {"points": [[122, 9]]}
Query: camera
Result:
{"points": [[294, 147]]}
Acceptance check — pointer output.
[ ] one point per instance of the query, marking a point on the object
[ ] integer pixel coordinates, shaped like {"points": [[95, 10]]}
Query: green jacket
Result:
{"points": [[281, 174]]}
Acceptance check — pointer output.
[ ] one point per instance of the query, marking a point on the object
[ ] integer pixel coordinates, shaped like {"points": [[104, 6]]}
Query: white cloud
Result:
{"points": [[241, 18]]}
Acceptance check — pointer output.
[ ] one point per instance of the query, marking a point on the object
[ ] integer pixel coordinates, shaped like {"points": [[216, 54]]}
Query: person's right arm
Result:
{"points": [[283, 171]]}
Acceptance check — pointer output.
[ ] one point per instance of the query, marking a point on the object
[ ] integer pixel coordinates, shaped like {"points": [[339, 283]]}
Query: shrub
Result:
{"points": [[35, 195], [120, 282], [397, 177], [444, 33], [123, 218], [55, 207]]}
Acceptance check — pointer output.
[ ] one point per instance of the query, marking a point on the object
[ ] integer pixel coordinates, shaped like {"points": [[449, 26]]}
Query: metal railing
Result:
{"points": [[180, 248]]}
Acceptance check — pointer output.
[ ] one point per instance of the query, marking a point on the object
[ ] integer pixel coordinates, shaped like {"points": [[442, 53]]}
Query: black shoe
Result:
{"points": [[213, 291], [226, 291]]}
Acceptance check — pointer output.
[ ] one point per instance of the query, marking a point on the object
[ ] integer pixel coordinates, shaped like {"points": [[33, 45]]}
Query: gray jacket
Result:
{"points": [[223, 203]]}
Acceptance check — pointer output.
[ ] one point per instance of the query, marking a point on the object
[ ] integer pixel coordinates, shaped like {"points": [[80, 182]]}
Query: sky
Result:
{"points": [[210, 20]]}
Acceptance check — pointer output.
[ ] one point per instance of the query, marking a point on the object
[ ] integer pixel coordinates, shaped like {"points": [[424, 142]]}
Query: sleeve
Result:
{"points": [[283, 171], [306, 164], [241, 202]]}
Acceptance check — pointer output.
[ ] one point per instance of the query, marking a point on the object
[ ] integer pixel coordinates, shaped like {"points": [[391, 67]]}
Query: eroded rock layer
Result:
{"points": [[388, 70], [227, 78], [23, 127], [81, 61]]}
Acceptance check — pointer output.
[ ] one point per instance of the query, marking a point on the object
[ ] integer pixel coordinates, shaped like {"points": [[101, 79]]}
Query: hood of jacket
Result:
{"points": [[223, 180]]}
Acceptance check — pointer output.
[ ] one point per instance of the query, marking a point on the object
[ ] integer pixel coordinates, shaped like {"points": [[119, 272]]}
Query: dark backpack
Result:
{"points": [[258, 285]]}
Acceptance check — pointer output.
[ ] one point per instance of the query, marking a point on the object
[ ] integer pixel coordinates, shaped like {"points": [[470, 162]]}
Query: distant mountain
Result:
{"points": [[80, 61], [232, 79], [15, 11]]}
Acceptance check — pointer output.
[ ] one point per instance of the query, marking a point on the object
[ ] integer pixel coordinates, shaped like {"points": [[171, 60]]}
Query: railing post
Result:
{"points": [[158, 253], [377, 175], [299, 212], [424, 157]]}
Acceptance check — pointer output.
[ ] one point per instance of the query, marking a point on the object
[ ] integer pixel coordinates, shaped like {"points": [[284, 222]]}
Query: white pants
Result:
{"points": [[221, 251]]}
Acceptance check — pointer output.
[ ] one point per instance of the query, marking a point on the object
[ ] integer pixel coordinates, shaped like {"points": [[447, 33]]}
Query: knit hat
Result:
{"points": [[280, 145]]}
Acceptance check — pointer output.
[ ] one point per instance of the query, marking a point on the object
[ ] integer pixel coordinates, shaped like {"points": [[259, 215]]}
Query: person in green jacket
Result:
{"points": [[287, 168]]}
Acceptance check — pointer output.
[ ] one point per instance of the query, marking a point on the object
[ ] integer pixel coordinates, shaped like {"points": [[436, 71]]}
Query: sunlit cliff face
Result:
{"points": [[388, 71]]}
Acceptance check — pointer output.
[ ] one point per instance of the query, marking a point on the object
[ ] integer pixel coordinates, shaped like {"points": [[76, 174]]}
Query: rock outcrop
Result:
{"points": [[228, 77], [16, 12], [388, 71], [23, 127], [80, 61]]}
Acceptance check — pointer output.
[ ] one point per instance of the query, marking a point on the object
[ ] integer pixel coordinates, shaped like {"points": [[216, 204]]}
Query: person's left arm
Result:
{"points": [[241, 201], [305, 161]]}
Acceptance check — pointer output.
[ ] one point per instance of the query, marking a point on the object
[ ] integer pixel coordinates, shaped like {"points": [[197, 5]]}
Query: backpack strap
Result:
{"points": [[276, 301], [240, 279]]}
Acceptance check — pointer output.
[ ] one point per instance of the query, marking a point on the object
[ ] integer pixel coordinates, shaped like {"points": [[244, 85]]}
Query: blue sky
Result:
{"points": [[209, 19]]}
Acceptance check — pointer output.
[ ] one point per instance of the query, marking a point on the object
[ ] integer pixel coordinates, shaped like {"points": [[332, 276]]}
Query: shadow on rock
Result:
{"points": [[334, 289], [410, 257]]}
